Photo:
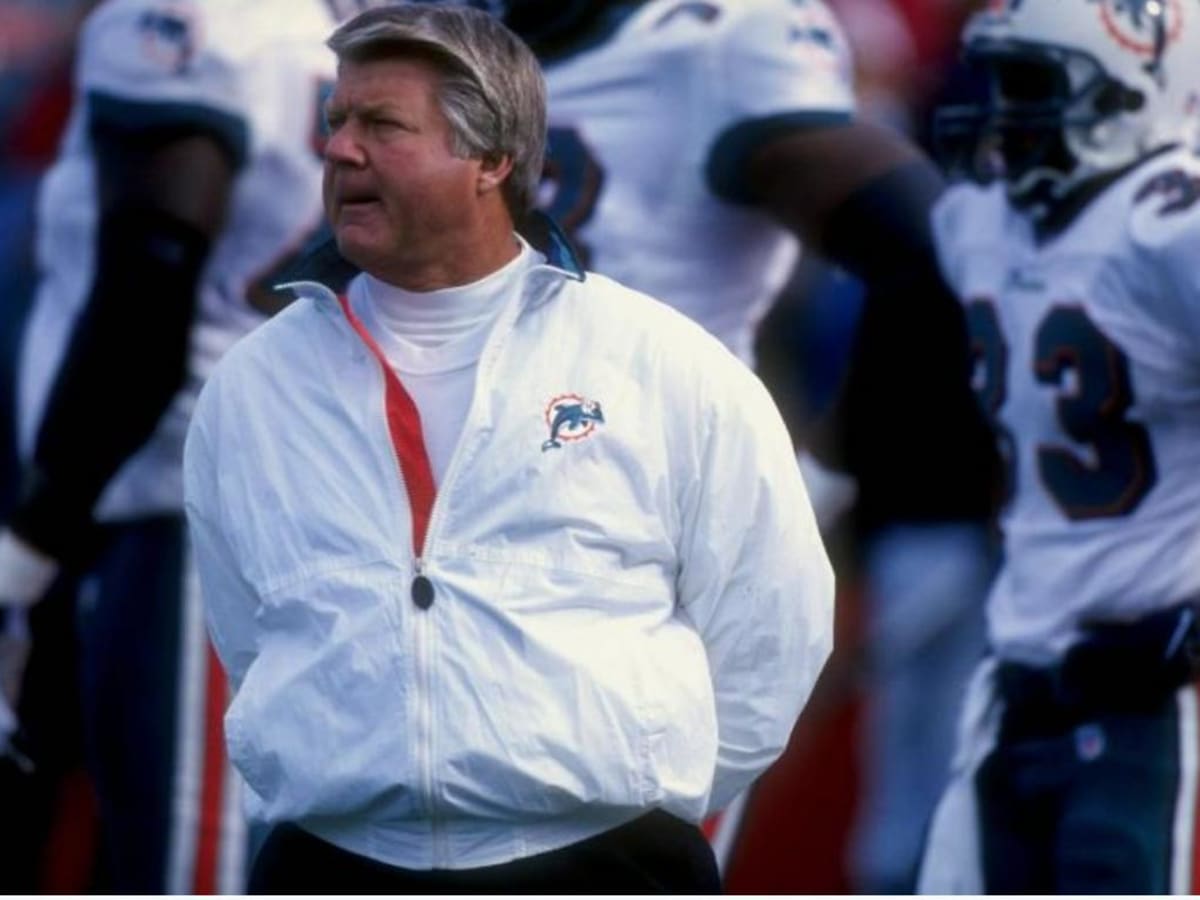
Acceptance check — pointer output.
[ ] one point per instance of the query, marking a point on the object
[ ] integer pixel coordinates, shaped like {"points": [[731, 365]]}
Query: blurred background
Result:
{"points": [[798, 833], [36, 44]]}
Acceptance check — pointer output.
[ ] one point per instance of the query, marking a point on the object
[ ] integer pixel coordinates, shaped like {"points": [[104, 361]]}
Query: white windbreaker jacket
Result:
{"points": [[618, 599]]}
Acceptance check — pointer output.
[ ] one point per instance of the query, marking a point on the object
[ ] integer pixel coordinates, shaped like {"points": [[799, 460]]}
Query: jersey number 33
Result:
{"points": [[1114, 469]]}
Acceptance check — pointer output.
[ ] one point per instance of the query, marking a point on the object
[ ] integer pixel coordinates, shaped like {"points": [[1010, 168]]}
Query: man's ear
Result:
{"points": [[493, 170]]}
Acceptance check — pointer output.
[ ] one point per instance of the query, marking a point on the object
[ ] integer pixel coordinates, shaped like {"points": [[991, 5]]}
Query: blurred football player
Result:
{"points": [[693, 147], [190, 168], [1076, 261]]}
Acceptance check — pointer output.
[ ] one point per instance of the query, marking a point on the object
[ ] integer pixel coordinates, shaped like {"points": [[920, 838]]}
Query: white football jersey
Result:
{"points": [[255, 71], [1087, 352], [650, 129]]}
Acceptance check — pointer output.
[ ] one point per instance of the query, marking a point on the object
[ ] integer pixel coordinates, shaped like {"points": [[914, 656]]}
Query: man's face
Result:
{"points": [[396, 196]]}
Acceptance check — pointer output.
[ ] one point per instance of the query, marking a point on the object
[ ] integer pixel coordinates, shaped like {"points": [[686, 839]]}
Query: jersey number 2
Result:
{"points": [[571, 184], [1092, 373]]}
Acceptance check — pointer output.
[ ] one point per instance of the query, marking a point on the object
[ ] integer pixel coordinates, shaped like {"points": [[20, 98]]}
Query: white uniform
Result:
{"points": [[649, 133], [253, 71], [1088, 352]]}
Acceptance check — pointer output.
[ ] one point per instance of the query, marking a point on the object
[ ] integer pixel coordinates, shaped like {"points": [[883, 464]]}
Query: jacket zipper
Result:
{"points": [[416, 481], [422, 584], [425, 508]]}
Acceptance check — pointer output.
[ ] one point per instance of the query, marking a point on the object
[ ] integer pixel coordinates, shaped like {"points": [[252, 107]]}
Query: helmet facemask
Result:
{"points": [[1052, 119], [1031, 105]]}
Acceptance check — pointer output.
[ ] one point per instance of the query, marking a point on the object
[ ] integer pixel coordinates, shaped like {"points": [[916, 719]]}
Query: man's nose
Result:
{"points": [[343, 147]]}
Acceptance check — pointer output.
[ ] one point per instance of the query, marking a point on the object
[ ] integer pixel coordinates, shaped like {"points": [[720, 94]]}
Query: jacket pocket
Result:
{"points": [[319, 725]]}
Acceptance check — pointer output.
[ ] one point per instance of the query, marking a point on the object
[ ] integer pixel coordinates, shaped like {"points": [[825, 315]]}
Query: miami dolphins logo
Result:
{"points": [[1144, 27], [571, 417], [169, 36]]}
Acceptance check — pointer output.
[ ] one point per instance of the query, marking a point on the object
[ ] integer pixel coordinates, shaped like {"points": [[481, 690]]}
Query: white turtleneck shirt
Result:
{"points": [[433, 341]]}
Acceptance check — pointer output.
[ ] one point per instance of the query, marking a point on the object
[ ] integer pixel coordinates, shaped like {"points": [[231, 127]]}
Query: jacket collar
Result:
{"points": [[545, 235]]}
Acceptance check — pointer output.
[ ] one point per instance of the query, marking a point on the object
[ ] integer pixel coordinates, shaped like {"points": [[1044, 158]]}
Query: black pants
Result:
{"points": [[656, 853], [1081, 802]]}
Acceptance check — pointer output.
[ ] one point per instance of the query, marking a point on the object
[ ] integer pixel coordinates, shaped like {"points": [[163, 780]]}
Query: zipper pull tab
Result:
{"points": [[422, 589]]}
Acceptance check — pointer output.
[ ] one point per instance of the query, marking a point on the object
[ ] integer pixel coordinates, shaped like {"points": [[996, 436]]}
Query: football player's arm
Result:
{"points": [[858, 193], [163, 192], [861, 195]]}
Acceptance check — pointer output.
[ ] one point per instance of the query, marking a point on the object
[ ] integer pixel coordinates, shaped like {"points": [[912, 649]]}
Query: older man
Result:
{"points": [[511, 566]]}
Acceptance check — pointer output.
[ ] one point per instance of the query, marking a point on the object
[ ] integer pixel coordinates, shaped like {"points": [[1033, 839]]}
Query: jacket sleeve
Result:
{"points": [[230, 601], [755, 579]]}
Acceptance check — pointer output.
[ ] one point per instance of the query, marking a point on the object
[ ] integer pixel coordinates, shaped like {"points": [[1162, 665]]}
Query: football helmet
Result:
{"points": [[1075, 88], [544, 22]]}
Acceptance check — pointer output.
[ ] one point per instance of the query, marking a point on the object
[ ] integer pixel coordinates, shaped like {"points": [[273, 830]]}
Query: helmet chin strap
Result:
{"points": [[1037, 191], [1037, 179], [1096, 143]]}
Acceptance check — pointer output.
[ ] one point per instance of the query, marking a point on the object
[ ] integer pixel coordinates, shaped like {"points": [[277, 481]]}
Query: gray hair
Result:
{"points": [[492, 90]]}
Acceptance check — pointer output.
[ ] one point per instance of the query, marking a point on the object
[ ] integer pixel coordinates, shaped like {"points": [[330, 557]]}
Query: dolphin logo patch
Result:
{"points": [[571, 417]]}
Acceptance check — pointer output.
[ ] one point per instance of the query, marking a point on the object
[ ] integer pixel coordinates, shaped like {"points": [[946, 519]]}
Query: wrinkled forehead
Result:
{"points": [[385, 82]]}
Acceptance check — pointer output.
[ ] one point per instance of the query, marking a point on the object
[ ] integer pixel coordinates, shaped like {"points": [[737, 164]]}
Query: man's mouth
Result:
{"points": [[357, 199]]}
